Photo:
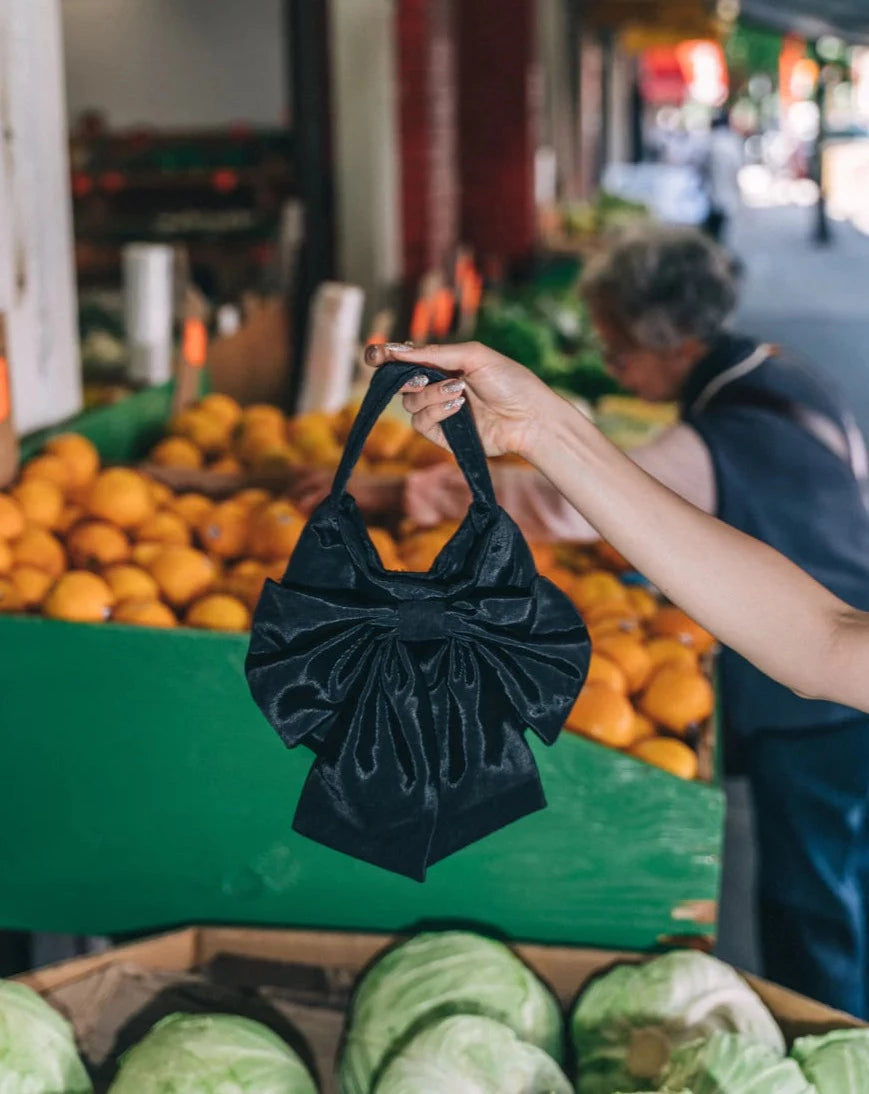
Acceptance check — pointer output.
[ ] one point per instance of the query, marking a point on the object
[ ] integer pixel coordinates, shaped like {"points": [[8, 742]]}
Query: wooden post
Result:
{"points": [[8, 437]]}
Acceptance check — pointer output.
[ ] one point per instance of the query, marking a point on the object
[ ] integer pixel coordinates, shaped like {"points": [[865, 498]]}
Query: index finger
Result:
{"points": [[447, 358]]}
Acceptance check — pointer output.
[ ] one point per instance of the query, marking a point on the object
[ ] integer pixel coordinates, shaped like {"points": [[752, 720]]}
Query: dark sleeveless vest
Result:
{"points": [[788, 467]]}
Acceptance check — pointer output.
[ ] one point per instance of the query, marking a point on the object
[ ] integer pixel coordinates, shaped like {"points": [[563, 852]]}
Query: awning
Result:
{"points": [[848, 19]]}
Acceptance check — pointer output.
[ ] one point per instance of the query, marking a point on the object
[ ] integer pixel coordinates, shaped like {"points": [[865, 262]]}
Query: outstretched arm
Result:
{"points": [[748, 595]]}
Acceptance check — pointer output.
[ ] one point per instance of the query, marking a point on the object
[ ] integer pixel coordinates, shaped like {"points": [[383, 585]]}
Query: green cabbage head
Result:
{"points": [[211, 1054], [470, 1054], [435, 975], [628, 1022], [838, 1062], [736, 1064], [37, 1047]]}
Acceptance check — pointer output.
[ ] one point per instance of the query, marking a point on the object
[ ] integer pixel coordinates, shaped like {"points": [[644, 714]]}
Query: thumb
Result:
{"points": [[463, 357]]}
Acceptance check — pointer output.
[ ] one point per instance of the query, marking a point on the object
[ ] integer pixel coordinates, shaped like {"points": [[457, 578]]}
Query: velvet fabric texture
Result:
{"points": [[414, 690]]}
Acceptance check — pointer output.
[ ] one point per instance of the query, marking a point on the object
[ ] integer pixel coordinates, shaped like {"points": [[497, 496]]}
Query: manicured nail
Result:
{"points": [[396, 347], [454, 387], [372, 352], [417, 381], [454, 404]]}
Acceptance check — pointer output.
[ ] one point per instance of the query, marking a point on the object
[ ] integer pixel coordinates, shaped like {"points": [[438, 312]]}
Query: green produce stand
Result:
{"points": [[140, 788]]}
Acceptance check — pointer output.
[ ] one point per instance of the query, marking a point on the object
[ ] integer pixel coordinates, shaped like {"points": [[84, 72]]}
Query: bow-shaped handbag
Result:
{"points": [[414, 690]]}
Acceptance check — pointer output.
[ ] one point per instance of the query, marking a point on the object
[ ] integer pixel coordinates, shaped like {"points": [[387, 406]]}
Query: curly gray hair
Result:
{"points": [[661, 285]]}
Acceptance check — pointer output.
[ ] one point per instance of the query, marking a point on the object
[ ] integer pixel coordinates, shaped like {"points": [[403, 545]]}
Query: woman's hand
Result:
{"points": [[509, 402]]}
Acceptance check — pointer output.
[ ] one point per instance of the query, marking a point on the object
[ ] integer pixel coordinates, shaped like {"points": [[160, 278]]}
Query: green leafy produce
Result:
{"points": [[212, 1054], [837, 1062], [37, 1047], [629, 1021], [435, 975], [470, 1054], [734, 1063]]}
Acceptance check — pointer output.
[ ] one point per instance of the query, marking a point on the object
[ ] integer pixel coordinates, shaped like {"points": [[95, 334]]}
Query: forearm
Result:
{"points": [[747, 594]]}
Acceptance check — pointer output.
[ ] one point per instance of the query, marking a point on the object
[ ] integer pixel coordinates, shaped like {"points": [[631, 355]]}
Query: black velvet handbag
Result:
{"points": [[414, 690]]}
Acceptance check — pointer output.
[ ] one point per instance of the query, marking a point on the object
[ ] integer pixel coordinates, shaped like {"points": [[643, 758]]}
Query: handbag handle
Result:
{"points": [[459, 430]]}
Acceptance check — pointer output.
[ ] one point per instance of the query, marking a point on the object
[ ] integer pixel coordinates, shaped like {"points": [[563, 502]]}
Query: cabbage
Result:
{"points": [[469, 1054], [211, 1054], [735, 1063], [433, 976], [628, 1021], [838, 1062], [37, 1047]]}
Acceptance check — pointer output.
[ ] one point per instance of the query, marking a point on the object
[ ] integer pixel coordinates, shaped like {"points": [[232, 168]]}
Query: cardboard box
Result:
{"points": [[342, 956]]}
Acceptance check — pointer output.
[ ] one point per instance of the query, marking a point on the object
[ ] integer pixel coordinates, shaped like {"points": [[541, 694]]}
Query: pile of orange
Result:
{"points": [[88, 544], [647, 692], [220, 436]]}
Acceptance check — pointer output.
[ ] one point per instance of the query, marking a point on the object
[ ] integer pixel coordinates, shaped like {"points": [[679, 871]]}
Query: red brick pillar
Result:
{"points": [[427, 126], [497, 126]]}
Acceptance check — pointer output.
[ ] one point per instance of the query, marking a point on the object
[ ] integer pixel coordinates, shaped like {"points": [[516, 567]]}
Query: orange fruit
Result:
{"points": [[144, 613], [222, 407], [48, 467], [10, 598], [387, 439], [670, 651], [79, 597], [278, 460], [160, 493], [164, 527], [245, 582], [12, 519], [419, 551], [38, 547], [257, 441], [314, 439], [631, 657], [183, 574], [191, 507], [223, 531], [226, 465], [561, 577], [597, 586], [673, 756], [602, 670], [252, 498], [274, 531], [342, 422], [41, 502], [643, 603], [70, 517], [177, 452], [121, 496], [143, 554], [129, 582], [543, 555], [613, 624], [218, 612], [80, 456], [603, 714], [674, 623], [600, 610], [263, 414], [386, 548], [6, 559], [643, 727], [31, 583], [678, 698], [207, 432], [275, 569], [96, 543]]}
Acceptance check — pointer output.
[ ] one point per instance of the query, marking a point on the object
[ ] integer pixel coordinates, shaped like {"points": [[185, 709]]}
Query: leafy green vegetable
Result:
{"points": [[629, 1021], [211, 1054], [837, 1062], [37, 1047], [734, 1063], [470, 1054], [435, 975]]}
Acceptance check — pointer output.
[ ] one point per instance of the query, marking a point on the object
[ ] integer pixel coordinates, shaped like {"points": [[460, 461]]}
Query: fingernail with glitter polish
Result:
{"points": [[454, 387], [454, 404], [417, 381]]}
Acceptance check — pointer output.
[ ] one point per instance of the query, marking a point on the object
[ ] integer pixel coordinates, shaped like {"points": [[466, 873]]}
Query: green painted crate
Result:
{"points": [[140, 787]]}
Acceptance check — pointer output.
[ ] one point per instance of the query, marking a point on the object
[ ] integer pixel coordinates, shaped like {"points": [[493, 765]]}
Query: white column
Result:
{"points": [[37, 281], [366, 145]]}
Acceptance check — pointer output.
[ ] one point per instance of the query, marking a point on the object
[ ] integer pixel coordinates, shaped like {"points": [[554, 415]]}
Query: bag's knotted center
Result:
{"points": [[422, 620]]}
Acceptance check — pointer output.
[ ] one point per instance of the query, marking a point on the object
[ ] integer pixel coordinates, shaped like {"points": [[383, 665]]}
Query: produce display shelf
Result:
{"points": [[142, 788]]}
